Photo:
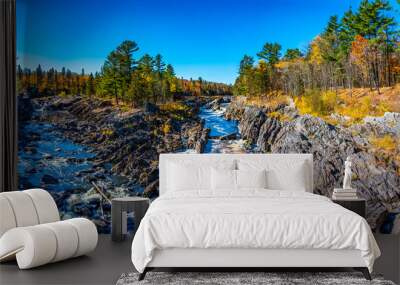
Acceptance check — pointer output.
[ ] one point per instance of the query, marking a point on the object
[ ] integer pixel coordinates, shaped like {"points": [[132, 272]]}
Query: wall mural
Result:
{"points": [[104, 89]]}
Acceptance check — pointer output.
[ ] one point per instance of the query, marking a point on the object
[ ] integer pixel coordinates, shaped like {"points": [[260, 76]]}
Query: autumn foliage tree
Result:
{"points": [[360, 49], [122, 77]]}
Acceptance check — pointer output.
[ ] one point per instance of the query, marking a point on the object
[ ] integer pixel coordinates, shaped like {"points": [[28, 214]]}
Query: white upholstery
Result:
{"points": [[26, 208], [7, 218], [87, 235], [32, 246], [45, 206], [24, 211], [282, 165], [31, 230], [66, 235]]}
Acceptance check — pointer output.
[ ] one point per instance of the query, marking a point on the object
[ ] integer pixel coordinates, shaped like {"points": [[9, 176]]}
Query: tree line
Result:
{"points": [[359, 49], [122, 77]]}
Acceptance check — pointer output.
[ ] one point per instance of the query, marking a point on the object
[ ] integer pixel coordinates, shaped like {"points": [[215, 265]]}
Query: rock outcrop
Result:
{"points": [[216, 103], [124, 147], [376, 178]]}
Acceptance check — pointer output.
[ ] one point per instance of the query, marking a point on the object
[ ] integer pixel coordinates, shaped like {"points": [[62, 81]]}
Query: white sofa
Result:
{"points": [[31, 231]]}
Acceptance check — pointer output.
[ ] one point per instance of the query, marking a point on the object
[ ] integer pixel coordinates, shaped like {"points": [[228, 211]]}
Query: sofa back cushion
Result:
{"points": [[26, 208]]}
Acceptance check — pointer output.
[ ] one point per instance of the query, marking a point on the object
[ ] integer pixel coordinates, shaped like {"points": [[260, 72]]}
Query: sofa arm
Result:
{"points": [[40, 244], [32, 246]]}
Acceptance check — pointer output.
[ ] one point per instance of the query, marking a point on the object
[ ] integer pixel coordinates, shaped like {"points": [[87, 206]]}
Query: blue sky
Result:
{"points": [[199, 38]]}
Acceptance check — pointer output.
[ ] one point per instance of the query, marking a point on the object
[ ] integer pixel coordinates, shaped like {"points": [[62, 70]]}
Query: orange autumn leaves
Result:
{"points": [[360, 48]]}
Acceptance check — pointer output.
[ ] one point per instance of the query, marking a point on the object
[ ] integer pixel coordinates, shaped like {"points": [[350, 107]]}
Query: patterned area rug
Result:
{"points": [[243, 278]]}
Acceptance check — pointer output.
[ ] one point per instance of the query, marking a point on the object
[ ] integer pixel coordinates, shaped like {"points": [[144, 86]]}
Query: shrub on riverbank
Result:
{"points": [[388, 145], [354, 104], [177, 110]]}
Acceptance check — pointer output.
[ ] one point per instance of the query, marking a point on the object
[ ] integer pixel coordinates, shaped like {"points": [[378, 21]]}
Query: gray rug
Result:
{"points": [[236, 278]]}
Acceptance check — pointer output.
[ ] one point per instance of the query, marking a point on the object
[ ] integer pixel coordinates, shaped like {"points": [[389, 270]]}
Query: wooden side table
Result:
{"points": [[119, 210], [358, 205]]}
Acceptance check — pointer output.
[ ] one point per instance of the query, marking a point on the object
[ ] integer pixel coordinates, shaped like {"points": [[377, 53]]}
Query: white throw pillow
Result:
{"points": [[193, 175], [251, 178], [281, 174], [183, 177], [290, 176], [223, 179]]}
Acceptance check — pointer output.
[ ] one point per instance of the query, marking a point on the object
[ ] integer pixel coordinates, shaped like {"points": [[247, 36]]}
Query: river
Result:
{"points": [[219, 126], [48, 160]]}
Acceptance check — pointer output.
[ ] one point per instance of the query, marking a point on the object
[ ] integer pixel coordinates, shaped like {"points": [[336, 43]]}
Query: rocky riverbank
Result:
{"points": [[88, 151], [102, 148], [376, 175]]}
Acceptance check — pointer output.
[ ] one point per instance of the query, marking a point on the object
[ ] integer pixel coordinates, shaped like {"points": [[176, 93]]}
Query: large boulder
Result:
{"points": [[251, 122], [216, 104], [268, 133], [202, 141]]}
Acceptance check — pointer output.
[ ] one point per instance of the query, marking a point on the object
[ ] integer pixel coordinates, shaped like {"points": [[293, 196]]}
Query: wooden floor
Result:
{"points": [[103, 266], [110, 259]]}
